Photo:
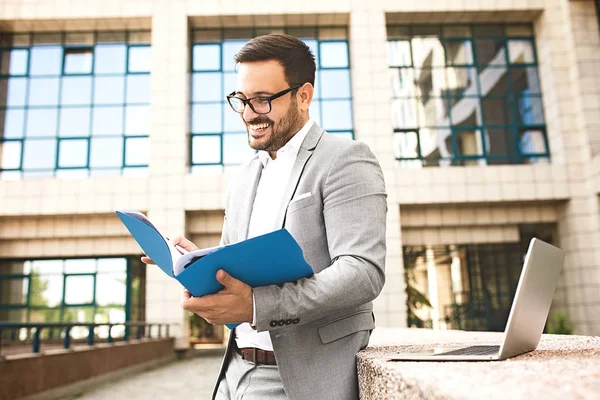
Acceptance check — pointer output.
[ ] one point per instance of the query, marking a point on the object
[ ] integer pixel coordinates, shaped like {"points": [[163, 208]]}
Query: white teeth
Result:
{"points": [[257, 127]]}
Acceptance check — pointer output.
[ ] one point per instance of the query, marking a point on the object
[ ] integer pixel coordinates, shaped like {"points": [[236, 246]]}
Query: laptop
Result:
{"points": [[527, 317]]}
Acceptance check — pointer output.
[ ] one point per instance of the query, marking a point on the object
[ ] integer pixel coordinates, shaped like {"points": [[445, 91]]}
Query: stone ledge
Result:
{"points": [[561, 367]]}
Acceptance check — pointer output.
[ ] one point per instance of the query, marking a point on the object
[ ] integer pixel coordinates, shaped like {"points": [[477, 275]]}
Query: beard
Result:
{"points": [[281, 132]]}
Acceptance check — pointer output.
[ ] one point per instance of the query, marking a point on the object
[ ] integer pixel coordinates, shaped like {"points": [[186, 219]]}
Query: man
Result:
{"points": [[298, 340]]}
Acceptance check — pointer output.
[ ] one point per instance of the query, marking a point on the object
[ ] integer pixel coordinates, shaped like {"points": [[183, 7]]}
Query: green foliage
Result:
{"points": [[559, 324]]}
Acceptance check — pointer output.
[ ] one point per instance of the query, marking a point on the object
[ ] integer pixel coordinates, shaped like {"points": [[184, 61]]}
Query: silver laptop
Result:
{"points": [[528, 314]]}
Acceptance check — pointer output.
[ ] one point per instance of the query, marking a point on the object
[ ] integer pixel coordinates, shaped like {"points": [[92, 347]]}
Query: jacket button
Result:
{"points": [[289, 321], [295, 321], [273, 323], [281, 322]]}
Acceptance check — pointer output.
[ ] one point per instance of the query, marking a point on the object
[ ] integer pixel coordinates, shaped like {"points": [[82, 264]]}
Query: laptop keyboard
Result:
{"points": [[472, 351]]}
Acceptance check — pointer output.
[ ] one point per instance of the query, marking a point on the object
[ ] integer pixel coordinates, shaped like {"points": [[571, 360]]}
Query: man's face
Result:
{"points": [[270, 131]]}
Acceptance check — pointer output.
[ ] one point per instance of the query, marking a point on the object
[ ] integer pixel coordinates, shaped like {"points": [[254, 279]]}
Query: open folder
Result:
{"points": [[271, 259]]}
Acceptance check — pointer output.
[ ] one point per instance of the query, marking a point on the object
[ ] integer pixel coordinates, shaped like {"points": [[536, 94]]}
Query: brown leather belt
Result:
{"points": [[256, 356]]}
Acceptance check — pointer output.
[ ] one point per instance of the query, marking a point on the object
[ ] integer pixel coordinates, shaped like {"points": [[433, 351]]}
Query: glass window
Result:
{"points": [[106, 152], [14, 122], [214, 77], [74, 121], [334, 54], [76, 90], [206, 150], [73, 290], [110, 59], [11, 154], [107, 121], [39, 154], [140, 58], [46, 60], [43, 91], [78, 60], [137, 151], [137, 120], [79, 289], [72, 153], [73, 85], [466, 91], [207, 57]]}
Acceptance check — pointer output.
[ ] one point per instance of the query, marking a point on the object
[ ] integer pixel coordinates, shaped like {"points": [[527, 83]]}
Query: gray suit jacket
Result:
{"points": [[317, 325]]}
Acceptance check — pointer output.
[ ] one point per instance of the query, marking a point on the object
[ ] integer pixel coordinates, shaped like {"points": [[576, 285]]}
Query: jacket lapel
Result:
{"points": [[304, 154], [248, 193]]}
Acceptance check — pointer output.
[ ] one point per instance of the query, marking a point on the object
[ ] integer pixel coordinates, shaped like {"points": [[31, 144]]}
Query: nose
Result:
{"points": [[248, 113]]}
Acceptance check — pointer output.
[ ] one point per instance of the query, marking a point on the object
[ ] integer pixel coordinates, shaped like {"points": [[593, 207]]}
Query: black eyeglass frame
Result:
{"points": [[269, 99]]}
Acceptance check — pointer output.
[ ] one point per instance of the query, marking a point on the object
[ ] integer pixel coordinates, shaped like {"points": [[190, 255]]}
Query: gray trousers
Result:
{"points": [[244, 380]]}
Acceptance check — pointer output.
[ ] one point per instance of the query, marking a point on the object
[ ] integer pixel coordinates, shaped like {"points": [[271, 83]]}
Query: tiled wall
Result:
{"points": [[568, 50]]}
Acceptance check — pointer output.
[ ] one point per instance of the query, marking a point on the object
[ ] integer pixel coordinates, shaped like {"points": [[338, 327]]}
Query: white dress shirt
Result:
{"points": [[269, 199]]}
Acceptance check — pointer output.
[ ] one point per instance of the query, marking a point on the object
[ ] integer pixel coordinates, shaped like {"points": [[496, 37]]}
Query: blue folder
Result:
{"points": [[271, 259]]}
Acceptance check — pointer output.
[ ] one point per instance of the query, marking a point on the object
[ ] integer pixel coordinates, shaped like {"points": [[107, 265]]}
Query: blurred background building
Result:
{"points": [[483, 114]]}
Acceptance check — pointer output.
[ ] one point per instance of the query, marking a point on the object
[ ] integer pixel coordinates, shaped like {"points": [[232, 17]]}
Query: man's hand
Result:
{"points": [[231, 305], [178, 241]]}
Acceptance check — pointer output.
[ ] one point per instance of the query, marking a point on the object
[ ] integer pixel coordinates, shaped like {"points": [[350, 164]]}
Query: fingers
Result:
{"points": [[225, 279], [147, 260], [184, 243]]}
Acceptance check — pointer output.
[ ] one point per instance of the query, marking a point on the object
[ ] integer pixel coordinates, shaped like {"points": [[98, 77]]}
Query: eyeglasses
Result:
{"points": [[258, 104]]}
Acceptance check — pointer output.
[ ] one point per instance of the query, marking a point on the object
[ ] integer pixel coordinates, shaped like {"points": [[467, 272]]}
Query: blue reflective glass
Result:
{"points": [[206, 86], [74, 121], [110, 58], [43, 91], [229, 83], [14, 123], [16, 91], [109, 90], [18, 62], [137, 151], [334, 54], [39, 154], [46, 60], [138, 89], [530, 111], [335, 84], [315, 111], [140, 58], [11, 155], [106, 152], [230, 48], [236, 149], [72, 153], [76, 90], [233, 122], [107, 121], [337, 114], [137, 120], [41, 122], [78, 61], [207, 118], [206, 149], [207, 57], [347, 135]]}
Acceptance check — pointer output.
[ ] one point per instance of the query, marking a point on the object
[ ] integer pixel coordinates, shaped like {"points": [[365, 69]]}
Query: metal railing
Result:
{"points": [[15, 332]]}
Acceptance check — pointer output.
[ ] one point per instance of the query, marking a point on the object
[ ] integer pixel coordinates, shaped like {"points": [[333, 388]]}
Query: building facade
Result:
{"points": [[483, 114]]}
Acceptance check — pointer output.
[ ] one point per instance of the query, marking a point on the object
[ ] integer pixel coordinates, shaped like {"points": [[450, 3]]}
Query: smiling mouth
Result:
{"points": [[259, 128]]}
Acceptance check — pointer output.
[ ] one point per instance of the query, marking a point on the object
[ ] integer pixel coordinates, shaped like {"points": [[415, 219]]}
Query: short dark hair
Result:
{"points": [[294, 55]]}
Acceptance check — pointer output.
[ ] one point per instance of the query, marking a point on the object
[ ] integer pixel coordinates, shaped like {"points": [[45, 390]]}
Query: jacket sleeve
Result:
{"points": [[354, 208]]}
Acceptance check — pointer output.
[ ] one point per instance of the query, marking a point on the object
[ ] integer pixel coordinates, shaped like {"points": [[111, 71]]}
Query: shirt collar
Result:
{"points": [[291, 147]]}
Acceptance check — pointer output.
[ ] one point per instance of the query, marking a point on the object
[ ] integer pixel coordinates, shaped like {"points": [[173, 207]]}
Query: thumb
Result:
{"points": [[225, 279]]}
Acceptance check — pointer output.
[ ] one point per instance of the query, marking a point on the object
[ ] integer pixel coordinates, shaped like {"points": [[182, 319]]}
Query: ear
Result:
{"points": [[304, 96]]}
